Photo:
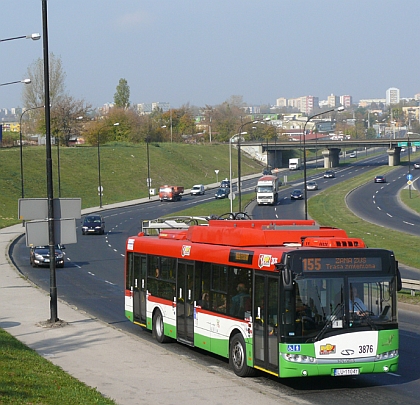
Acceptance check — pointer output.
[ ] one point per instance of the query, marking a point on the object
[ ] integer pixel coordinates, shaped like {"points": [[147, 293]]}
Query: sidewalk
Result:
{"points": [[122, 367]]}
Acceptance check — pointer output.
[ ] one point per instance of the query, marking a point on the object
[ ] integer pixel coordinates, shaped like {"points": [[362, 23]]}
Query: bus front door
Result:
{"points": [[139, 290], [266, 343], [185, 303]]}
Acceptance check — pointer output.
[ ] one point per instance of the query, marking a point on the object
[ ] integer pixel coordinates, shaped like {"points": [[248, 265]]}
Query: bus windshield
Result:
{"points": [[327, 306]]}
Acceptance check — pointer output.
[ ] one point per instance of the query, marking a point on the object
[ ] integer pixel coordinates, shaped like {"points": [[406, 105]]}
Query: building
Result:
{"points": [[392, 96], [346, 101], [333, 101]]}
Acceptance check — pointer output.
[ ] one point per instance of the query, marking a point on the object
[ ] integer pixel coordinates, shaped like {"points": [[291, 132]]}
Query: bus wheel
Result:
{"points": [[158, 328], [237, 358]]}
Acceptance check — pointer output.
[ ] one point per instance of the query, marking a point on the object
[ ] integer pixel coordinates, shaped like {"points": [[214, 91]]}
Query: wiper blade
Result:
{"points": [[329, 322]]}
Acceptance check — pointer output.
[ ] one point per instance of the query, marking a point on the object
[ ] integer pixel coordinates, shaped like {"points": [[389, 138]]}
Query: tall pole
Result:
{"points": [[148, 167], [341, 108], [50, 192], [99, 173], [21, 148], [409, 163]]}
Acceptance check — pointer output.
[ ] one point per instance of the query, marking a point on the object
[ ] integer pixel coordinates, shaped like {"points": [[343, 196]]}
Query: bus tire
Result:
{"points": [[237, 357], [158, 327]]}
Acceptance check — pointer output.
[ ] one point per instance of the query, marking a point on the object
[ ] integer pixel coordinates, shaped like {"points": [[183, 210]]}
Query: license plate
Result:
{"points": [[346, 371]]}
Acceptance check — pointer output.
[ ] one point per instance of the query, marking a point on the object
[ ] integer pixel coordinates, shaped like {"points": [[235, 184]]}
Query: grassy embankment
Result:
{"points": [[123, 172]]}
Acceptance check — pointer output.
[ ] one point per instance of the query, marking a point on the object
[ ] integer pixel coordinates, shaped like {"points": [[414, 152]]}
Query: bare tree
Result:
{"points": [[33, 95], [67, 118]]}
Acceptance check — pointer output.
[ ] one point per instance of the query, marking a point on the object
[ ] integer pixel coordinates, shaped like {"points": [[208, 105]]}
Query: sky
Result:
{"points": [[202, 52]]}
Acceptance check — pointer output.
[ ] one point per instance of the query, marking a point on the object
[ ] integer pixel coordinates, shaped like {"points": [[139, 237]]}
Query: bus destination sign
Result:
{"points": [[341, 263]]}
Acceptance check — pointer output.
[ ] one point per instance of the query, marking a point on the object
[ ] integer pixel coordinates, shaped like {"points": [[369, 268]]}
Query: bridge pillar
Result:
{"points": [[394, 155], [274, 158], [331, 157]]}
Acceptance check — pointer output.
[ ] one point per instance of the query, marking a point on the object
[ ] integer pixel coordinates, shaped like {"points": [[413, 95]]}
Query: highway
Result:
{"points": [[92, 280]]}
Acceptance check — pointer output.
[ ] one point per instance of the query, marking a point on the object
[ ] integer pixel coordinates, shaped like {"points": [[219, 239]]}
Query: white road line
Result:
{"points": [[408, 223]]}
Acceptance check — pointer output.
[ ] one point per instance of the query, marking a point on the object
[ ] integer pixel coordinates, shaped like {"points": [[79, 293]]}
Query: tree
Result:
{"points": [[33, 95], [67, 117], [122, 95]]}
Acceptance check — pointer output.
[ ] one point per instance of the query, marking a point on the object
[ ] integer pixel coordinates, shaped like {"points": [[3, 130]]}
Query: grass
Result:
{"points": [[27, 378], [123, 172]]}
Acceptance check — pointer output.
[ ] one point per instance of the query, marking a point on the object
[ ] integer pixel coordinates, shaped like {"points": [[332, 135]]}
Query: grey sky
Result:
{"points": [[202, 52]]}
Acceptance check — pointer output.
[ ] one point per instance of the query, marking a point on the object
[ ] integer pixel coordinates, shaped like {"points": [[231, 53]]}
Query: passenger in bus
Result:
{"points": [[205, 301], [356, 304], [241, 302]]}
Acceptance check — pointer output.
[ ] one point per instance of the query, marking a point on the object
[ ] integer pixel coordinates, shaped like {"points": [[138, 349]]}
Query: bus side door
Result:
{"points": [[139, 289], [185, 303], [265, 316]]}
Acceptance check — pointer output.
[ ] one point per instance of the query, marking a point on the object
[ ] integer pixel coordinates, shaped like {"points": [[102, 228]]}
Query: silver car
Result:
{"points": [[311, 185]]}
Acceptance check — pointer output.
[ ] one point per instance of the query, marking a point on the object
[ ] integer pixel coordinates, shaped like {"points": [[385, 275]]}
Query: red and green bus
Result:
{"points": [[286, 297]]}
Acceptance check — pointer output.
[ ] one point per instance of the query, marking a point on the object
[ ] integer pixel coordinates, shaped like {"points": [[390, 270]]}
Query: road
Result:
{"points": [[92, 280]]}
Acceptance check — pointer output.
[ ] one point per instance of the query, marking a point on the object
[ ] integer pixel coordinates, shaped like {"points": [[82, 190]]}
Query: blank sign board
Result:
{"points": [[64, 232], [37, 208]]}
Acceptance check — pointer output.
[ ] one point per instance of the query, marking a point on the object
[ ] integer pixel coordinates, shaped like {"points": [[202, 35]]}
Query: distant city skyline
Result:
{"points": [[206, 52]]}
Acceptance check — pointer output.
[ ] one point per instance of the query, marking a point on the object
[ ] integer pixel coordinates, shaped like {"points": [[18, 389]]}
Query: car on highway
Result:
{"points": [[198, 189], [225, 183], [380, 179], [222, 192], [329, 174], [416, 165], [353, 155], [311, 185], [39, 256], [93, 224], [296, 194]]}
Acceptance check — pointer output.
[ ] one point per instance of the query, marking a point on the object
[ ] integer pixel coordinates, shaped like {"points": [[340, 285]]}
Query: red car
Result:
{"points": [[380, 179]]}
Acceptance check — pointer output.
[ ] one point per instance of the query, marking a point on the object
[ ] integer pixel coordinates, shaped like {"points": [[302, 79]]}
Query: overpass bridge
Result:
{"points": [[330, 149]]}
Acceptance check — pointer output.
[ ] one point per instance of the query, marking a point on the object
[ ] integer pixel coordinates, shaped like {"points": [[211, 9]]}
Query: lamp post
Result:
{"points": [[341, 108], [239, 160], [149, 180], [100, 189], [21, 149], [35, 36], [24, 81]]}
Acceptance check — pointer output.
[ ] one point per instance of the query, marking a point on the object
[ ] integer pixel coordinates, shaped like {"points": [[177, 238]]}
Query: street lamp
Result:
{"points": [[20, 144], [338, 109], [24, 81], [239, 159], [35, 36], [99, 165]]}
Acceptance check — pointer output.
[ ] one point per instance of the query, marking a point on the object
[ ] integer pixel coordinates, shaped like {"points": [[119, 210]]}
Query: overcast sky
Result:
{"points": [[203, 52]]}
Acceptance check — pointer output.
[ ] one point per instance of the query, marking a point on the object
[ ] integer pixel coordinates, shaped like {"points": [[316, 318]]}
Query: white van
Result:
{"points": [[198, 189]]}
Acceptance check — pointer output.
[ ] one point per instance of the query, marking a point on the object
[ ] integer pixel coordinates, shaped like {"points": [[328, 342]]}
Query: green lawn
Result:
{"points": [[27, 378], [123, 172]]}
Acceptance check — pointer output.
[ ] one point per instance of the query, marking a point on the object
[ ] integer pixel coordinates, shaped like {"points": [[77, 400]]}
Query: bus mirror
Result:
{"points": [[399, 281], [287, 279]]}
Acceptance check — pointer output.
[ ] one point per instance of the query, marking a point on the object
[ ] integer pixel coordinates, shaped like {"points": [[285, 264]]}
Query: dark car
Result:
{"points": [[225, 183], [380, 179], [296, 194], [329, 174], [39, 256], [416, 165], [223, 192], [93, 224]]}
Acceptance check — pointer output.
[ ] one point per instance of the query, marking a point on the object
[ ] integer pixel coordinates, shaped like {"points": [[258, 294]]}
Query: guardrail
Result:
{"points": [[413, 285]]}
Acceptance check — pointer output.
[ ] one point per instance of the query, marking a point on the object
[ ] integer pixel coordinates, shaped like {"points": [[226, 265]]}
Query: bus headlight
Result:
{"points": [[387, 355], [299, 358]]}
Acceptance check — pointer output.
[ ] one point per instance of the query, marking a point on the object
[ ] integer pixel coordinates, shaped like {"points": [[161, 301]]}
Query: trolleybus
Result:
{"points": [[286, 297]]}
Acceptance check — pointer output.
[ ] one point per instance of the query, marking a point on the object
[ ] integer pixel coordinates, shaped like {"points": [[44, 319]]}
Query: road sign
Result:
{"points": [[409, 182], [409, 177]]}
